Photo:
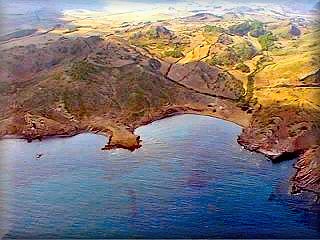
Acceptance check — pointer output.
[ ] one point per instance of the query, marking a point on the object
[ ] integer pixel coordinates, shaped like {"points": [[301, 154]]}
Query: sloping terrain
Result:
{"points": [[78, 84], [207, 79]]}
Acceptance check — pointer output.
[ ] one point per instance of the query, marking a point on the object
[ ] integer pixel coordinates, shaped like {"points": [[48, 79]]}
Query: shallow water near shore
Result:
{"points": [[190, 179]]}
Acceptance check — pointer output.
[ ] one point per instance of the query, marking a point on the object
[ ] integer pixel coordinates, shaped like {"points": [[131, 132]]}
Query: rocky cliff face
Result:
{"points": [[307, 177], [288, 132], [277, 131]]}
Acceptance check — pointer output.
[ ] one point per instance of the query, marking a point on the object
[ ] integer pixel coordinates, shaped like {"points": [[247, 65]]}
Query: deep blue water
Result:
{"points": [[190, 179]]}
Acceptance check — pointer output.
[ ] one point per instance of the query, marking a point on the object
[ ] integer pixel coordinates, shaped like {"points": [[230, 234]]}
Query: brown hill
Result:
{"points": [[203, 17], [105, 85]]}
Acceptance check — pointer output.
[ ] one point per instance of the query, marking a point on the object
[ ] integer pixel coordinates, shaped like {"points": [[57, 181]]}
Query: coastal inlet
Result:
{"points": [[190, 179]]}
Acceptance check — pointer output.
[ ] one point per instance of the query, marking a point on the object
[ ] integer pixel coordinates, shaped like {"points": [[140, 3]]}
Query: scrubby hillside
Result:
{"points": [[99, 84]]}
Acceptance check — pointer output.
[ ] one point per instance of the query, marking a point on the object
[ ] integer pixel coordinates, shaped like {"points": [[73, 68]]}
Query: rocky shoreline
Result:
{"points": [[306, 177], [120, 135], [288, 133]]}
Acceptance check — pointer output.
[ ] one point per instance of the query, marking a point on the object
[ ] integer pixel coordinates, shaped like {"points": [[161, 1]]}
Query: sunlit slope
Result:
{"points": [[295, 60]]}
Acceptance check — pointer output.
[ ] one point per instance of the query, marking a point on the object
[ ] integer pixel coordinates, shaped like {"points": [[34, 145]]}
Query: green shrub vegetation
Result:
{"points": [[244, 51], [240, 29], [81, 70], [267, 41], [234, 54], [211, 28], [214, 61], [219, 59], [175, 53], [225, 58], [152, 33], [256, 28], [242, 67]]}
